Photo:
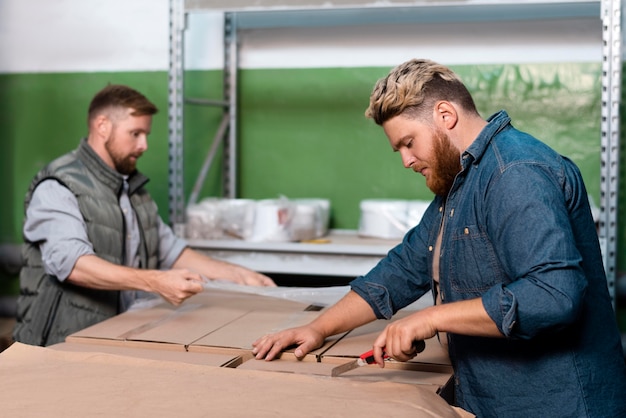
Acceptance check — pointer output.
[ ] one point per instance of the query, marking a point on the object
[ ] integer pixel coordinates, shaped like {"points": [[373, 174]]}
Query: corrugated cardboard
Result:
{"points": [[151, 352], [241, 332], [433, 381], [181, 326], [289, 364], [55, 383], [117, 327], [225, 323], [372, 373]]}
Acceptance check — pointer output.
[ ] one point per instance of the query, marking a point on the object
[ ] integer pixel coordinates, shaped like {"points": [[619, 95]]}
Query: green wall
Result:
{"points": [[44, 116], [302, 132]]}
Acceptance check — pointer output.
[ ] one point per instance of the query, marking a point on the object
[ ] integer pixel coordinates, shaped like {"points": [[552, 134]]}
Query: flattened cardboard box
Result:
{"points": [[149, 353], [433, 372], [224, 322], [241, 332], [178, 327], [57, 383]]}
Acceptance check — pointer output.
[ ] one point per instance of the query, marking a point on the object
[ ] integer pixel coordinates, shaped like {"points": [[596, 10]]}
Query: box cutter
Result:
{"points": [[368, 358]]}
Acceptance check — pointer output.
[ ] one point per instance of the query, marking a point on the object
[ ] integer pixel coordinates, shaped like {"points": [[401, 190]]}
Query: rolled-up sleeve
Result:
{"points": [[53, 220], [535, 243]]}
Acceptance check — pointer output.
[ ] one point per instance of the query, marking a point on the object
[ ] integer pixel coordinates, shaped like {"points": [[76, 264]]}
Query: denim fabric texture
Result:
{"points": [[518, 234]]}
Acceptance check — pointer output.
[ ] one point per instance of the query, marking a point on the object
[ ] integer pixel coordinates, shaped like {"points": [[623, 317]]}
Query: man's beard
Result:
{"points": [[123, 163], [446, 164]]}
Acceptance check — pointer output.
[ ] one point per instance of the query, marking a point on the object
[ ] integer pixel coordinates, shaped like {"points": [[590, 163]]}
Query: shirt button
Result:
{"points": [[466, 231], [430, 248]]}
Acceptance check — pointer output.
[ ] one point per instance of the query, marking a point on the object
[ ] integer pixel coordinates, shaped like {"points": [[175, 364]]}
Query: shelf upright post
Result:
{"points": [[175, 112], [610, 135], [231, 64]]}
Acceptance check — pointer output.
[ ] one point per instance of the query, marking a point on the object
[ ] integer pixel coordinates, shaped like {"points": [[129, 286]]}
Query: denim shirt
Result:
{"points": [[519, 234]]}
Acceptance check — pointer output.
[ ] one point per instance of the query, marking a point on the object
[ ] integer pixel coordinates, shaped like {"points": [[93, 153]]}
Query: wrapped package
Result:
{"points": [[266, 220], [388, 218]]}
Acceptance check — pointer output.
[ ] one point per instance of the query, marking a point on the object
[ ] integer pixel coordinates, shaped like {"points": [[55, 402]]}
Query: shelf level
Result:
{"points": [[344, 254], [276, 13]]}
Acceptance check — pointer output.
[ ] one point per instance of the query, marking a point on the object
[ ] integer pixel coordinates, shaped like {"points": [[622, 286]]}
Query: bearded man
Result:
{"points": [[509, 250], [94, 241]]}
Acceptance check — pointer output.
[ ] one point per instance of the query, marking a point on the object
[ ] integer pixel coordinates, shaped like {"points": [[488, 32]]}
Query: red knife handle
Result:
{"points": [[368, 357]]}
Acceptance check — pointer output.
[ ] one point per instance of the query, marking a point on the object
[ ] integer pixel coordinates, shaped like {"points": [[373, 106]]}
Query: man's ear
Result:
{"points": [[445, 115], [102, 126]]}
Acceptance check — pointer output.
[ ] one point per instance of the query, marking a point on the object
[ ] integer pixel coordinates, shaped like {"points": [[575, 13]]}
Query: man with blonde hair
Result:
{"points": [[508, 247]]}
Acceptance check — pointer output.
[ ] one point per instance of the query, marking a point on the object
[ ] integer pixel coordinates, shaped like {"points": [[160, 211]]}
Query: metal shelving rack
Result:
{"points": [[249, 14], [610, 134]]}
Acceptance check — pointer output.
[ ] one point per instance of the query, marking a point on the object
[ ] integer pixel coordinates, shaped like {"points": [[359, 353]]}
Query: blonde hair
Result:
{"points": [[414, 87]]}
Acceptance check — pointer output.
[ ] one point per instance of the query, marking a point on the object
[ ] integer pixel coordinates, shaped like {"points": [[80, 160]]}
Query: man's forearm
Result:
{"points": [[467, 317], [350, 312], [205, 265], [94, 272]]}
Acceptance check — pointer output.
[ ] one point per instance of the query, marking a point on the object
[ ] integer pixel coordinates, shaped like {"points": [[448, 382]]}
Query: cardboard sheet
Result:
{"points": [[56, 383], [289, 364], [241, 332], [181, 326], [217, 327], [117, 327], [372, 373], [153, 352], [389, 374]]}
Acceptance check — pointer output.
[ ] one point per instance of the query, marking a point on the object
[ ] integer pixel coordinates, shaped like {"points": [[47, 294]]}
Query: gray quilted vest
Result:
{"points": [[49, 310]]}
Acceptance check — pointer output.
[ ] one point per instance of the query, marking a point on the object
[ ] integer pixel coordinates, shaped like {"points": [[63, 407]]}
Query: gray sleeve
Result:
{"points": [[53, 220], [170, 246]]}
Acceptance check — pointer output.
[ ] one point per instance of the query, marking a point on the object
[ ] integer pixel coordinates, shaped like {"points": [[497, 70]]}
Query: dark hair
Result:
{"points": [[116, 96], [414, 87]]}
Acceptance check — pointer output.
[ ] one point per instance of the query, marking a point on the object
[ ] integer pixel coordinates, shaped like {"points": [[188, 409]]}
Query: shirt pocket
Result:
{"points": [[473, 266]]}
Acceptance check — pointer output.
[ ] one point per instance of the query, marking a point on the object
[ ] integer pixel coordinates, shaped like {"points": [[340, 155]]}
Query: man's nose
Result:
{"points": [[407, 158], [142, 144]]}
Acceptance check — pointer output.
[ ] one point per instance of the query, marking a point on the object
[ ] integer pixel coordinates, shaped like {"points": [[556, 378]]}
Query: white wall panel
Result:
{"points": [[122, 35], [83, 35]]}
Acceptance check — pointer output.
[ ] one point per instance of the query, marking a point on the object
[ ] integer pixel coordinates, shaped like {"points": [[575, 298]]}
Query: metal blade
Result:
{"points": [[346, 367]]}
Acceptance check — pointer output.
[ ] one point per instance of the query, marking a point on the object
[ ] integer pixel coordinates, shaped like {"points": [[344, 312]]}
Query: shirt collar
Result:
{"points": [[496, 123]]}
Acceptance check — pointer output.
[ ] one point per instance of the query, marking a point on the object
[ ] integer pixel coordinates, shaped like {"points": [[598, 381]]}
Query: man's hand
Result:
{"points": [[466, 317], [173, 285], [397, 338], [251, 278], [176, 285], [348, 313], [270, 346]]}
